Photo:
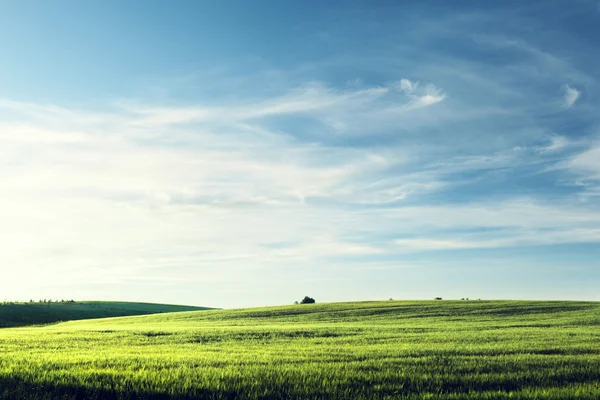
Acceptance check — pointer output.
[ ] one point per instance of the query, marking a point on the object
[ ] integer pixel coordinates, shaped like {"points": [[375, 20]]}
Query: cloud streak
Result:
{"points": [[315, 100]]}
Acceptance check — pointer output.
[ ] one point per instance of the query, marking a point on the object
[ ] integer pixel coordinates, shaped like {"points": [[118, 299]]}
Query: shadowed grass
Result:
{"points": [[20, 314]]}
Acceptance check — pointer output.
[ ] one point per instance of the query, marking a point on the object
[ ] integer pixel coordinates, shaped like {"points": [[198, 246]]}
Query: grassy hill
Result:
{"points": [[385, 350], [19, 314]]}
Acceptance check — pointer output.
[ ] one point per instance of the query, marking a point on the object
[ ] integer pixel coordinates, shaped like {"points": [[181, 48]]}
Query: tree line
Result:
{"points": [[31, 301]]}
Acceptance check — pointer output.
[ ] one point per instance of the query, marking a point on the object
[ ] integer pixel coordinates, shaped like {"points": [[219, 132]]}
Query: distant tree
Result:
{"points": [[307, 300], [296, 302], [438, 298], [391, 299]]}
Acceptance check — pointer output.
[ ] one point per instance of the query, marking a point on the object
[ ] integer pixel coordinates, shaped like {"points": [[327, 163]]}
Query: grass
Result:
{"points": [[366, 350], [19, 314]]}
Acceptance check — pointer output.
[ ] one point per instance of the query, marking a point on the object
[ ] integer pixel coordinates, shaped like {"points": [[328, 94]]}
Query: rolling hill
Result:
{"points": [[20, 314], [387, 350]]}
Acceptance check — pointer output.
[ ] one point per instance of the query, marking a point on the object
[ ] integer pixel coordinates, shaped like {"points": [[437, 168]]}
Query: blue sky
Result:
{"points": [[239, 153]]}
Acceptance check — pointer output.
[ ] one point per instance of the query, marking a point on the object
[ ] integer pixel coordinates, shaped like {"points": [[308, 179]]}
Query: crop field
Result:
{"points": [[363, 350], [33, 313]]}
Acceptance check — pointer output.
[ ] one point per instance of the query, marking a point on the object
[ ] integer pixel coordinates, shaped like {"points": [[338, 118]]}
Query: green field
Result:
{"points": [[366, 350], [19, 314]]}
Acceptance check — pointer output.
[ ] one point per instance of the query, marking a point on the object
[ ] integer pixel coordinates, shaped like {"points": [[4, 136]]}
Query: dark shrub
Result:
{"points": [[307, 300]]}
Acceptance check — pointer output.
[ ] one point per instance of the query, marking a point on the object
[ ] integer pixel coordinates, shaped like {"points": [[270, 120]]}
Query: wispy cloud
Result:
{"points": [[588, 162], [570, 96], [556, 144], [421, 96], [520, 239], [316, 100]]}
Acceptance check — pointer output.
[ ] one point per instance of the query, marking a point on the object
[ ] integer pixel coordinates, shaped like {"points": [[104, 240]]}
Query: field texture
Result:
{"points": [[392, 349], [19, 314]]}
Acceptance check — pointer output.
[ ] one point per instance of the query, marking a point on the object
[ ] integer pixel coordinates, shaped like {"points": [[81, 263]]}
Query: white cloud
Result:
{"points": [[408, 86], [421, 96], [557, 143], [587, 162], [331, 106], [570, 96], [433, 244], [314, 99], [516, 239]]}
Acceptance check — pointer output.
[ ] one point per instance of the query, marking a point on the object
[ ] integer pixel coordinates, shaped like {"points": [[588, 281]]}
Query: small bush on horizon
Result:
{"points": [[307, 300]]}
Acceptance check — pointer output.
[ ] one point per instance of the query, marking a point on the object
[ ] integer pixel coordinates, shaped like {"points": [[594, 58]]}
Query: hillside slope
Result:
{"points": [[450, 350], [20, 314]]}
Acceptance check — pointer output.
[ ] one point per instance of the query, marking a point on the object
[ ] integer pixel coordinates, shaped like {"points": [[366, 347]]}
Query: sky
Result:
{"points": [[237, 153]]}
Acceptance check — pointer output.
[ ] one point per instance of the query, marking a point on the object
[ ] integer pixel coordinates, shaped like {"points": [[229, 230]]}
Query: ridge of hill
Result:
{"points": [[364, 312], [22, 314]]}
